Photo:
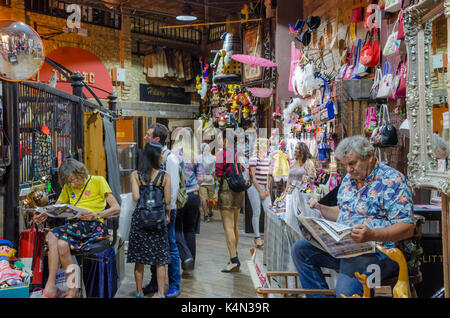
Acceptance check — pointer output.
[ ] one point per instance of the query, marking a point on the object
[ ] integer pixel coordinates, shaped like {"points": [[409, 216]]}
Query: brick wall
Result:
{"points": [[111, 46]]}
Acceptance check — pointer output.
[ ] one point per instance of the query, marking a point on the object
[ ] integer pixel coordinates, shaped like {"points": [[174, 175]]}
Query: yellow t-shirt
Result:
{"points": [[93, 198]]}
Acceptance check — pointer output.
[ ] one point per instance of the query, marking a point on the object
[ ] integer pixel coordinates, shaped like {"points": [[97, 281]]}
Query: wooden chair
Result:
{"points": [[407, 253]]}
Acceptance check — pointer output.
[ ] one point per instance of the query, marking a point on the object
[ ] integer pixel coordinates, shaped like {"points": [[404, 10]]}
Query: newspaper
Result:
{"points": [[332, 237], [61, 211]]}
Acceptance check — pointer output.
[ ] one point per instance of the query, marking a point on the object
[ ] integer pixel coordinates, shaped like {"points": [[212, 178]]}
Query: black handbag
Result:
{"points": [[385, 135]]}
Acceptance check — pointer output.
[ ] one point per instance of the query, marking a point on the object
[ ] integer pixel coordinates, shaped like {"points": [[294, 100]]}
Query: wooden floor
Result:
{"points": [[212, 255]]}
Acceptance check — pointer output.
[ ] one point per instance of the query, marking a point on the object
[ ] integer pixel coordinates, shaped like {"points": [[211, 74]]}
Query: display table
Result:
{"points": [[278, 241]]}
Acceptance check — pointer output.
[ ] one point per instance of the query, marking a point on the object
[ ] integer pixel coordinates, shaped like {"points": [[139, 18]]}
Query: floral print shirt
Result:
{"points": [[385, 199]]}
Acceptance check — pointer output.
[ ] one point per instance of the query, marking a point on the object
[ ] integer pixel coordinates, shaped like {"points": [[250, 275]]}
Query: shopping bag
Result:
{"points": [[126, 211]]}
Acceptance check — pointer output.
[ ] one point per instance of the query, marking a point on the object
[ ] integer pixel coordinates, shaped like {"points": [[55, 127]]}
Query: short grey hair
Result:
{"points": [[440, 143], [71, 166], [360, 145]]}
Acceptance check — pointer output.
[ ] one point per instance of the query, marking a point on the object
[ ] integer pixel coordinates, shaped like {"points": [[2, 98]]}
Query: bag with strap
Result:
{"points": [[402, 79], [357, 12], [151, 212], [396, 90], [182, 196], [236, 180], [401, 26], [349, 69], [370, 122], [385, 135], [392, 45], [376, 84], [393, 5], [386, 81], [328, 105], [323, 150], [360, 70], [370, 53]]}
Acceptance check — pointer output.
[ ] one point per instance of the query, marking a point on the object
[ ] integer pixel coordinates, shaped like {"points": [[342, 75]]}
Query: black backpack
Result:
{"points": [[236, 180], [151, 208]]}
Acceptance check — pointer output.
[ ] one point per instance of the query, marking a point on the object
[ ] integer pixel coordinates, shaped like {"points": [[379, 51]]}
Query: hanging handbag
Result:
{"points": [[329, 105], [370, 53], [371, 121], [393, 5], [401, 29], [349, 69], [399, 79], [357, 13], [376, 84], [386, 81], [392, 44], [323, 150], [402, 79], [360, 70], [386, 134]]}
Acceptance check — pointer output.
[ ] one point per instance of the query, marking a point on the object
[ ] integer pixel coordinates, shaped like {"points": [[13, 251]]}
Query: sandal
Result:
{"points": [[260, 246], [48, 295], [231, 268], [71, 295]]}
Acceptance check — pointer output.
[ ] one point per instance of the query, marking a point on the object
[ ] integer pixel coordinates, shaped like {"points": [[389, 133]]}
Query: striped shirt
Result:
{"points": [[262, 168]]}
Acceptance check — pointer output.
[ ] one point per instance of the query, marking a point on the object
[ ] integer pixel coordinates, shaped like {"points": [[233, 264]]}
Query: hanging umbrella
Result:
{"points": [[261, 92], [253, 60]]}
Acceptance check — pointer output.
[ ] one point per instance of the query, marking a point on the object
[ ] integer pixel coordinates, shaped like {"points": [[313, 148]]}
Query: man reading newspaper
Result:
{"points": [[375, 200]]}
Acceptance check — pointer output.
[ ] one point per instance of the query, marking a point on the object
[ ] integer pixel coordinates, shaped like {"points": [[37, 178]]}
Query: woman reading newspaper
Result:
{"points": [[375, 201], [84, 191]]}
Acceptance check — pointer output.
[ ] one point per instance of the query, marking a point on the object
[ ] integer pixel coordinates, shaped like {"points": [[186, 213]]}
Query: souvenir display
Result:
{"points": [[41, 155]]}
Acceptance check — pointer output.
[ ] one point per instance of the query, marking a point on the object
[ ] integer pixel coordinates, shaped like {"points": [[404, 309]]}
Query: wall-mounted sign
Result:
{"points": [[162, 94], [82, 61]]}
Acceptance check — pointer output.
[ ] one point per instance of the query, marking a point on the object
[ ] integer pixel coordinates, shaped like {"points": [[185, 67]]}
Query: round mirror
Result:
{"points": [[22, 51]]}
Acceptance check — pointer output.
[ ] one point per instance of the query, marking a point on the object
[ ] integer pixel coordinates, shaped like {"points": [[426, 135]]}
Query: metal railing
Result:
{"points": [[215, 32], [89, 14], [152, 28], [47, 131]]}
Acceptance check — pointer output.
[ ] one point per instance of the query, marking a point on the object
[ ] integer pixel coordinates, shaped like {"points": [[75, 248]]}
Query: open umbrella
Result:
{"points": [[261, 92], [253, 60]]}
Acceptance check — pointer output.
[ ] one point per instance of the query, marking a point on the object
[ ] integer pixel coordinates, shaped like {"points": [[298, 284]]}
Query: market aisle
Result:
{"points": [[212, 255]]}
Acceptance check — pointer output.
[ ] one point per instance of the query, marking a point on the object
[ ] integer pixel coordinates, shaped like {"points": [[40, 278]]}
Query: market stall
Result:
{"points": [[349, 69], [45, 127]]}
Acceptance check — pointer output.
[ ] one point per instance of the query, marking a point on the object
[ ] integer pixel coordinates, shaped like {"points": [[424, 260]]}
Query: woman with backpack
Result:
{"points": [[150, 246], [229, 202]]}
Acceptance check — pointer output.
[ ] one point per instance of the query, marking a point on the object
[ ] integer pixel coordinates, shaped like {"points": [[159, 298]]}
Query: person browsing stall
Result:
{"points": [[77, 234], [376, 201], [159, 133], [259, 192], [149, 247]]}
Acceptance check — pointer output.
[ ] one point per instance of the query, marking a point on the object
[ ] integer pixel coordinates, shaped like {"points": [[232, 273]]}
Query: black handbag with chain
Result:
{"points": [[386, 134]]}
